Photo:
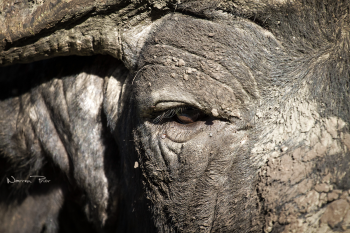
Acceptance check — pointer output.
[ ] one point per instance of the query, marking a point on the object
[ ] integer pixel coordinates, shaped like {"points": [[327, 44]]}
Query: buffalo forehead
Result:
{"points": [[237, 45], [216, 66], [238, 55]]}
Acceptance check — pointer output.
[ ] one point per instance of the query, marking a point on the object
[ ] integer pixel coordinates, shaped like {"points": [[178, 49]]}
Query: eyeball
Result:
{"points": [[188, 115]]}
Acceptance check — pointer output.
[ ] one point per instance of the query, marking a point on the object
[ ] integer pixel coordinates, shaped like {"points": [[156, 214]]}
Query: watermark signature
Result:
{"points": [[41, 179]]}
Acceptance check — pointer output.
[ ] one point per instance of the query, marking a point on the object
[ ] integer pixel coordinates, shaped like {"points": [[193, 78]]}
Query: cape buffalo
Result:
{"points": [[175, 116]]}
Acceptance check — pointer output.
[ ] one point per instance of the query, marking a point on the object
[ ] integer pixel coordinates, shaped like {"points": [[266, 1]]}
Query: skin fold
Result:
{"points": [[202, 120]]}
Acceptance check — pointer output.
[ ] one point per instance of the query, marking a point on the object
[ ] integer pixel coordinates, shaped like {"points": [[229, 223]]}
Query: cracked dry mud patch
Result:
{"points": [[306, 188]]}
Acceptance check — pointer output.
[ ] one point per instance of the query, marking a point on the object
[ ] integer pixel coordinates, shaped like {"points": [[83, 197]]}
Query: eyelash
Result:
{"points": [[168, 114]]}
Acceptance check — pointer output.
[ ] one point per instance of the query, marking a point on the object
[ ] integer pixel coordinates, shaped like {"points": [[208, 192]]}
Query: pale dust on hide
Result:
{"points": [[291, 170]]}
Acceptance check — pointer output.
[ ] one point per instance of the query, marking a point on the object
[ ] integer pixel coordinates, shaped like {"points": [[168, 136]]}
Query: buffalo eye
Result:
{"points": [[188, 115], [182, 115]]}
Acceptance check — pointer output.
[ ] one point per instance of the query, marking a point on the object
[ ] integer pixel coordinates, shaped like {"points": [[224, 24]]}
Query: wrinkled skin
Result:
{"points": [[266, 90]]}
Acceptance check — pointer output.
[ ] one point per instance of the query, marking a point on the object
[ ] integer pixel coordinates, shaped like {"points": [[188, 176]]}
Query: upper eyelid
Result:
{"points": [[165, 106]]}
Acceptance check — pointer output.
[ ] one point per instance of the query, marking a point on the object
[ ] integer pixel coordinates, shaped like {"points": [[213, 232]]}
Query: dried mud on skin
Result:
{"points": [[306, 188]]}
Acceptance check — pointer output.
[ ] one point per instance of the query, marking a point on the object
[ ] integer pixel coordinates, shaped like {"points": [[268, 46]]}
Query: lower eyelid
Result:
{"points": [[183, 132]]}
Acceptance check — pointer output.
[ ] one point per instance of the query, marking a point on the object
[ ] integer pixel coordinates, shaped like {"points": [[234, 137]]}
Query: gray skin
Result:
{"points": [[269, 151]]}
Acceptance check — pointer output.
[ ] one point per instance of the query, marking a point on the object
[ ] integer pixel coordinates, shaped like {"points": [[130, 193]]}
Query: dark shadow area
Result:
{"points": [[72, 219], [19, 79]]}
